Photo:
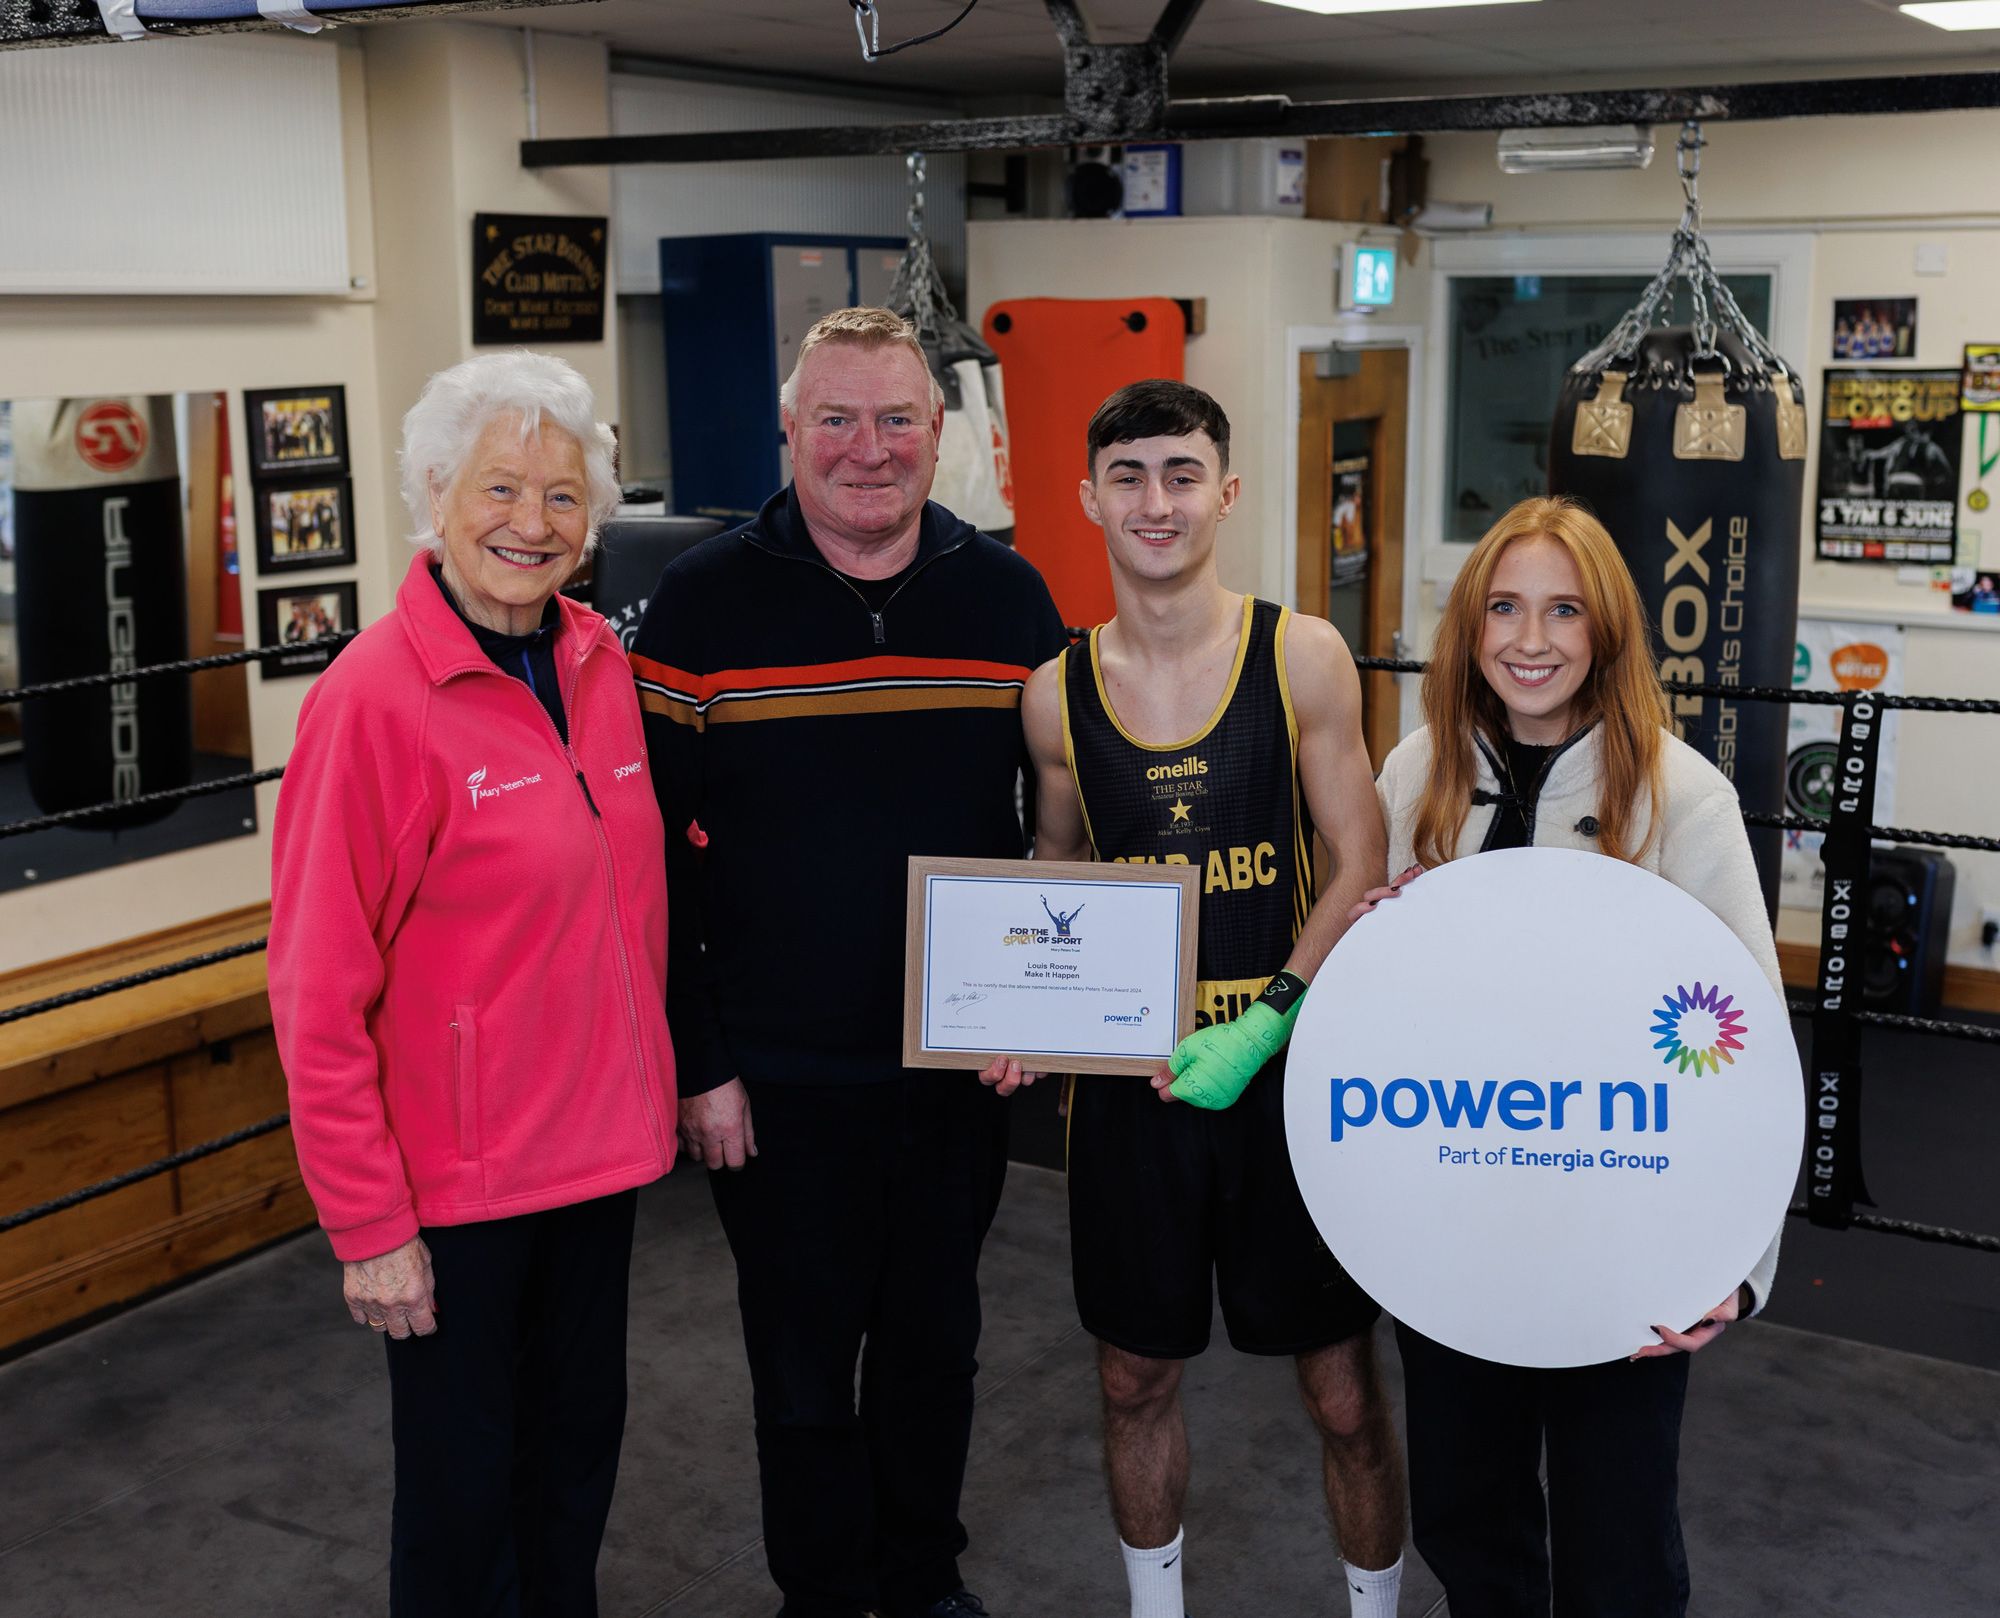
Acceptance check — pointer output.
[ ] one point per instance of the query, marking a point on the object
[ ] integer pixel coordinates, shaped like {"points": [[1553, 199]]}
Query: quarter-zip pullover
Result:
{"points": [[808, 733], [530, 658], [468, 932]]}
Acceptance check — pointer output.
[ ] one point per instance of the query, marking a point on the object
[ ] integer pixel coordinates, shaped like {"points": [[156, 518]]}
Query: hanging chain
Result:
{"points": [[918, 290], [1688, 240], [1690, 263]]}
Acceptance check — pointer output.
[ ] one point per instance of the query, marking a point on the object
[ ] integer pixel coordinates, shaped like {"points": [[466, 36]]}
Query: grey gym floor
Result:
{"points": [[224, 1449]]}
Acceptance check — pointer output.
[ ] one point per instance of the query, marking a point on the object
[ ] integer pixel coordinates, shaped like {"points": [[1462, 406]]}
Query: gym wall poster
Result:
{"points": [[304, 523], [1888, 467], [293, 615], [293, 430]]}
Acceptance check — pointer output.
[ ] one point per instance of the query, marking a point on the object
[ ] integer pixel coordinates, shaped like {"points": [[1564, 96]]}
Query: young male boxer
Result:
{"points": [[1207, 728]]}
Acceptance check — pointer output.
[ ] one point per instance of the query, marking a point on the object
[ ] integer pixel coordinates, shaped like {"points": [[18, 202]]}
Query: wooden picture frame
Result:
{"points": [[1163, 1029]]}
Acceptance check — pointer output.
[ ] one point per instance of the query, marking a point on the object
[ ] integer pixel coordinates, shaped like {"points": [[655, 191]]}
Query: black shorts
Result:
{"points": [[1161, 1194]]}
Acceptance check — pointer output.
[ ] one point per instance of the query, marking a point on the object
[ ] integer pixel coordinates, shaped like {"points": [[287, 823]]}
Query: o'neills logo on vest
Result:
{"points": [[1190, 765]]}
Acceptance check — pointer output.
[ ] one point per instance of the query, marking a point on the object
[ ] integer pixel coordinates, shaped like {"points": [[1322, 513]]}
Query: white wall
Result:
{"points": [[430, 118], [58, 346]]}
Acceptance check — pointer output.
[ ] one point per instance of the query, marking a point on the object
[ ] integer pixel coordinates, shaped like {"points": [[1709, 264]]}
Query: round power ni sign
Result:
{"points": [[1542, 1101]]}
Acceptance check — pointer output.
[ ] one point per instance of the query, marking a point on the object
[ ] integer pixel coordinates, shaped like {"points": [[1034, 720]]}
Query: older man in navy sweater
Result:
{"points": [[829, 689]]}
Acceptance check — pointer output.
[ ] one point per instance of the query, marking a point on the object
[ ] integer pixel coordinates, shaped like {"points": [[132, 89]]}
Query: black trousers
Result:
{"points": [[508, 1419], [860, 1221], [1611, 1530]]}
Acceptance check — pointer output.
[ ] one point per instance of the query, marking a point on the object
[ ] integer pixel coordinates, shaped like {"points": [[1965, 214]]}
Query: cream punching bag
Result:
{"points": [[973, 477], [101, 581], [1689, 442]]}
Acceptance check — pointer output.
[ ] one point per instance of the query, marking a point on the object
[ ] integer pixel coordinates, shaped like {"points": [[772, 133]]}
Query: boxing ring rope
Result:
{"points": [[90, 811], [145, 1171], [187, 665], [1833, 1134]]}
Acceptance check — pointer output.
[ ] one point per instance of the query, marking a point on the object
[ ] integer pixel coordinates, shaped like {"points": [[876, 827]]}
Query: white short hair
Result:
{"points": [[459, 404]]}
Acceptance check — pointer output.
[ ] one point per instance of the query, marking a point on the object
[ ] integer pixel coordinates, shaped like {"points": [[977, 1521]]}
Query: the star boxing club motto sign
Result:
{"points": [[1542, 1101]]}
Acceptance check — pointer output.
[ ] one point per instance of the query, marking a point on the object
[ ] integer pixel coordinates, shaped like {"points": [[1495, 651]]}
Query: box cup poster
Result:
{"points": [[1888, 466]]}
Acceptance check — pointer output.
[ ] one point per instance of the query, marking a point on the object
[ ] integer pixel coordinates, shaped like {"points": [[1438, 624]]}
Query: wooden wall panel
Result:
{"points": [[124, 1080]]}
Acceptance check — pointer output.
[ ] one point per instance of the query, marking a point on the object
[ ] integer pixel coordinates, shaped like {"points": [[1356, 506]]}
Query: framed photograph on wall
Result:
{"points": [[304, 523], [293, 615], [296, 430]]}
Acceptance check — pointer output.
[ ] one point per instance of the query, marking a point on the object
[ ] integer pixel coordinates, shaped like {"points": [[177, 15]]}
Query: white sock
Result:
{"points": [[1372, 1595], [1155, 1579]]}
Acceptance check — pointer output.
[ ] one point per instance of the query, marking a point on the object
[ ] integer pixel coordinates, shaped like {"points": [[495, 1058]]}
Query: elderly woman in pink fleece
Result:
{"points": [[467, 970]]}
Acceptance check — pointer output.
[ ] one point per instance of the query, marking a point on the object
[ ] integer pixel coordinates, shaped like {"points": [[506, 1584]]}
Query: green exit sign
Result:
{"points": [[1367, 276]]}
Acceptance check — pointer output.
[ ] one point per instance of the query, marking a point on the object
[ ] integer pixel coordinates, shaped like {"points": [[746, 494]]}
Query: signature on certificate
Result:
{"points": [[963, 998]]}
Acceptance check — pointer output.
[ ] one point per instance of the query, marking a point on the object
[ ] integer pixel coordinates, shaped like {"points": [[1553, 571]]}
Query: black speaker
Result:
{"points": [[1909, 924]]}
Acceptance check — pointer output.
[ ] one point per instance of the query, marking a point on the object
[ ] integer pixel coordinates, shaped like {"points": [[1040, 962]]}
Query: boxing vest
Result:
{"points": [[1226, 799]]}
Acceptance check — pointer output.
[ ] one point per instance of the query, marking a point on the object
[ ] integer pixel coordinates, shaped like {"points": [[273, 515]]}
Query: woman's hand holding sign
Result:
{"points": [[1375, 896], [1698, 1336]]}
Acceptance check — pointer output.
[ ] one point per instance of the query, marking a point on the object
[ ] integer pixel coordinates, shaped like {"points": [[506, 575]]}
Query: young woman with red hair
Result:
{"points": [[1546, 726]]}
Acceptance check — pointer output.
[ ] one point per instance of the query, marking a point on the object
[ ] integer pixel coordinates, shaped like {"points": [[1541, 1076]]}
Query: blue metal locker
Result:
{"points": [[733, 309]]}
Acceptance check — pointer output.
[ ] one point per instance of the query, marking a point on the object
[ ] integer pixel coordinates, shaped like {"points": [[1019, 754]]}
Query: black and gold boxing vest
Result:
{"points": [[1226, 800]]}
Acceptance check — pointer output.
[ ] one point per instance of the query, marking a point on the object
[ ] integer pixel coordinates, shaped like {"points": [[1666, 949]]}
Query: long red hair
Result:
{"points": [[1621, 694]]}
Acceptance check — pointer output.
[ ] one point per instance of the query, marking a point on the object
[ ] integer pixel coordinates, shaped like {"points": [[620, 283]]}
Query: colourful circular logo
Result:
{"points": [[1698, 1030]]}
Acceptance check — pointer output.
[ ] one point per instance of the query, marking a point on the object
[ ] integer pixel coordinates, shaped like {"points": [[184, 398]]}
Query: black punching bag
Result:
{"points": [[101, 582], [1696, 464]]}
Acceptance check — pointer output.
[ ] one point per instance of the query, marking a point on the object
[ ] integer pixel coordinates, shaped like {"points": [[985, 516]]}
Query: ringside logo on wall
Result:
{"points": [[1542, 1101]]}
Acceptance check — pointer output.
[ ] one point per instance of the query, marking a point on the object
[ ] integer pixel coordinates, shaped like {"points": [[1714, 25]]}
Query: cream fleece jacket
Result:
{"points": [[1702, 848]]}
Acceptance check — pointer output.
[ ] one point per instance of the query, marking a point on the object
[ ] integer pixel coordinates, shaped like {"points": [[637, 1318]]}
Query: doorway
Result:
{"points": [[1353, 440]]}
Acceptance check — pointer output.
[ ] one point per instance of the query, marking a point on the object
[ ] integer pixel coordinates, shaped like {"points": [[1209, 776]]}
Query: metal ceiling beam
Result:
{"points": [[1172, 24], [1259, 117]]}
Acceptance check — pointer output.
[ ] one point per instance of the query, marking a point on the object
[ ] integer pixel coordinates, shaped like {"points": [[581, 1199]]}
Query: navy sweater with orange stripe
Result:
{"points": [[804, 745]]}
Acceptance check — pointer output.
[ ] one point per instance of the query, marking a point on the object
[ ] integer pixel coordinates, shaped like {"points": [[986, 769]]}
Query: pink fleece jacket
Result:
{"points": [[468, 952]]}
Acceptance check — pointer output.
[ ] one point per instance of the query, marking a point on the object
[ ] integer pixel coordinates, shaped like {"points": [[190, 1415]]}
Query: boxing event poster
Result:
{"points": [[1832, 656], [1888, 467], [1975, 582], [1874, 328]]}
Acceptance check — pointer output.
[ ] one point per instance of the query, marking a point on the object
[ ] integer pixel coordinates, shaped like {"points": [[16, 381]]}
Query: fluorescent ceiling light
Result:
{"points": [[1954, 14], [1610, 146], [1349, 8]]}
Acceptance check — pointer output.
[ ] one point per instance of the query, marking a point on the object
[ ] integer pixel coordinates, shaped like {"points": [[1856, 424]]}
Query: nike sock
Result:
{"points": [[1155, 1579], [1371, 1595]]}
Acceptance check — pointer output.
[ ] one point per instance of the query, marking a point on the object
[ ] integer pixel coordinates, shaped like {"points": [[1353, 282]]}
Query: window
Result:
{"points": [[1509, 340]]}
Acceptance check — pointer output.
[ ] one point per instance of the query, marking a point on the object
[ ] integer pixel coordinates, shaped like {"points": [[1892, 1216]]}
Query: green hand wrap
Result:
{"points": [[1213, 1066]]}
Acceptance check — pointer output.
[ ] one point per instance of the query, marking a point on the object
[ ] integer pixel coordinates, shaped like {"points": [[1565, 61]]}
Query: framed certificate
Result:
{"points": [[1075, 968]]}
